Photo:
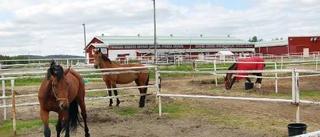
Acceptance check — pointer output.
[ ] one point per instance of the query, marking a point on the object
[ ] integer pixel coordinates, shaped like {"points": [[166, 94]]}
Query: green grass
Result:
{"points": [[96, 94], [23, 127], [173, 109]]}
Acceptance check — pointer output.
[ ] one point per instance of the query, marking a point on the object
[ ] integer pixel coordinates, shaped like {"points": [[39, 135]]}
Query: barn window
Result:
{"points": [[311, 39]]}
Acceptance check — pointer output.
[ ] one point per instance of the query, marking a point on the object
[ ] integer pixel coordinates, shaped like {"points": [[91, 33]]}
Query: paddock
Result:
{"points": [[163, 86]]}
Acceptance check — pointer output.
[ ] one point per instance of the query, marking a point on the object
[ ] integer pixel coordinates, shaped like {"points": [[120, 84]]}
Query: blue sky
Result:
{"points": [[46, 27]]}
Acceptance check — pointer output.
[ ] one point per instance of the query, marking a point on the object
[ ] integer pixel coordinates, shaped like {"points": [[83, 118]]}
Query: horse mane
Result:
{"points": [[105, 58], [55, 70]]}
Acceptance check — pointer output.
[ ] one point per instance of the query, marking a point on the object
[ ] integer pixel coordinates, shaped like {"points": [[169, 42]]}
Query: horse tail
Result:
{"points": [[73, 115]]}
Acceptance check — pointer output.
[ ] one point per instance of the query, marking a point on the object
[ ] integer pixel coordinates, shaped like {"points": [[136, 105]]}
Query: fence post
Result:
{"points": [[276, 76], [14, 114], [316, 62], [297, 97], [158, 87], [281, 62], [293, 86], [215, 70], [4, 99]]}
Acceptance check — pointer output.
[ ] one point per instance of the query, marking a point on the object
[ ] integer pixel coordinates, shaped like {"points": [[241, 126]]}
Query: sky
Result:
{"points": [[51, 27]]}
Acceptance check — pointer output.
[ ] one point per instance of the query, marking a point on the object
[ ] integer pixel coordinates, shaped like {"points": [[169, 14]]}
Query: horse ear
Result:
{"points": [[99, 50], [67, 71]]}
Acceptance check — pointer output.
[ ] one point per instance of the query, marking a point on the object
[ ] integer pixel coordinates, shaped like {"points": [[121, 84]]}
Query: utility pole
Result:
{"points": [[85, 42], [155, 32]]}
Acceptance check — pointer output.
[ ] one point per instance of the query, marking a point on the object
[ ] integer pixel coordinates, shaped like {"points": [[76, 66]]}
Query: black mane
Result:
{"points": [[56, 70], [105, 58]]}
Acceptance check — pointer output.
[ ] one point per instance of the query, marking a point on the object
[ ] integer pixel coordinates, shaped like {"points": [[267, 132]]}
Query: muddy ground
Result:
{"points": [[103, 122]]}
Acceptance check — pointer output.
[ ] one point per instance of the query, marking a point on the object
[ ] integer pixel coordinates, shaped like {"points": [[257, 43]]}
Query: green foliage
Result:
{"points": [[174, 110], [127, 111], [22, 126]]}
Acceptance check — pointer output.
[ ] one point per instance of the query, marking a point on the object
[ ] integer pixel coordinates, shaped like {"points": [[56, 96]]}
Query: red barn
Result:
{"points": [[276, 47], [141, 46], [299, 43], [294, 45]]}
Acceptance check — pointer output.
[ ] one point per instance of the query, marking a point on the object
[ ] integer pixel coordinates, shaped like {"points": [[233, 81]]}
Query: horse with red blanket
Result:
{"points": [[253, 63]]}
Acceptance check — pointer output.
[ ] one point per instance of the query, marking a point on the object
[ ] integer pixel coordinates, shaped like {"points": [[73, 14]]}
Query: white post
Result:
{"points": [[276, 77], [281, 62], [158, 82], [293, 86], [215, 70], [4, 100], [297, 97], [14, 114], [316, 62]]}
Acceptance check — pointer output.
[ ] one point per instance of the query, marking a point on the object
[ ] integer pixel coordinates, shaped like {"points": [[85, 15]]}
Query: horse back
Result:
{"points": [[77, 85], [250, 65], [125, 78]]}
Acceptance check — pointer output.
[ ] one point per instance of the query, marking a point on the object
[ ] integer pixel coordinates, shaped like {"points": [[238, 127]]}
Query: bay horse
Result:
{"points": [[62, 91], [253, 63], [141, 78]]}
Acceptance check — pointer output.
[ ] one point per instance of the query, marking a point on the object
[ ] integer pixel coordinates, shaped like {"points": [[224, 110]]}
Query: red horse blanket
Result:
{"points": [[253, 63]]}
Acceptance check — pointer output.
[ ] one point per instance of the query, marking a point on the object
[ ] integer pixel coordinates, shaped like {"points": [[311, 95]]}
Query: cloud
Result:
{"points": [[47, 27]]}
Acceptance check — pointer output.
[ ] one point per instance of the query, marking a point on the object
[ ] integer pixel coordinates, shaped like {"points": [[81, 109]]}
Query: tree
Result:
{"points": [[254, 39]]}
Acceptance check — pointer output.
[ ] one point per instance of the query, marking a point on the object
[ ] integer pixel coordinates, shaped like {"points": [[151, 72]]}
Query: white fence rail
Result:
{"points": [[295, 88], [35, 74]]}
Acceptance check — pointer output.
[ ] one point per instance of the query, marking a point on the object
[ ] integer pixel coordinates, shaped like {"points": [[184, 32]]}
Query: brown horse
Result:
{"points": [[253, 63], [141, 78], [62, 92]]}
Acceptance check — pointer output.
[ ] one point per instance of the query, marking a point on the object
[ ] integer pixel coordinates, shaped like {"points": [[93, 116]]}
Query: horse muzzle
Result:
{"points": [[64, 105]]}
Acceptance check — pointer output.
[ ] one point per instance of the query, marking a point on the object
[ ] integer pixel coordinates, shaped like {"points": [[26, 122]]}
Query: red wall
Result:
{"points": [[296, 44], [276, 50]]}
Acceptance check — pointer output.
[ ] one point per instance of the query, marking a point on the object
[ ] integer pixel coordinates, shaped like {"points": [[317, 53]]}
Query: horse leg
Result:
{"points": [[248, 79], [84, 117], [116, 94], [142, 101], [66, 123], [109, 93], [45, 119], [259, 80], [59, 124], [143, 92]]}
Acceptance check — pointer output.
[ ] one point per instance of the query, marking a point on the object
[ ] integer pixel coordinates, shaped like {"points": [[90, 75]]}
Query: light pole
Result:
{"points": [[155, 31], [85, 42]]}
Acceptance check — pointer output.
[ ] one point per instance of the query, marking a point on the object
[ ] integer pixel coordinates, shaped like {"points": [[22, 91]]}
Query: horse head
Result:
{"points": [[227, 81], [99, 57], [59, 85]]}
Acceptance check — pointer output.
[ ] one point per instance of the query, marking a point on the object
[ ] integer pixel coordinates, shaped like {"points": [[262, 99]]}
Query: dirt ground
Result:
{"points": [[103, 122]]}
